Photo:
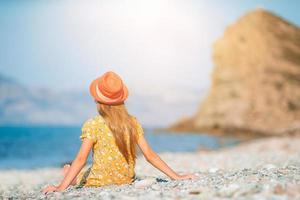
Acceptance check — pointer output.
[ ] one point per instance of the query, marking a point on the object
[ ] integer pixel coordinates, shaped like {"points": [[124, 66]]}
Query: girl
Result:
{"points": [[113, 135]]}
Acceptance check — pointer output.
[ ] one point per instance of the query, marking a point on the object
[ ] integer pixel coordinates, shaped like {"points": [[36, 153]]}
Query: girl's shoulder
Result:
{"points": [[134, 119], [93, 122], [93, 128], [138, 126]]}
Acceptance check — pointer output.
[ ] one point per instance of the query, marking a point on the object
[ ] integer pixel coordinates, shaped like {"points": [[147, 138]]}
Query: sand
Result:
{"points": [[267, 168]]}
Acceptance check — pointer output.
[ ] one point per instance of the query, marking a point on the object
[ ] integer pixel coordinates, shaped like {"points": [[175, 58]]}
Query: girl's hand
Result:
{"points": [[50, 188], [186, 177], [75, 168]]}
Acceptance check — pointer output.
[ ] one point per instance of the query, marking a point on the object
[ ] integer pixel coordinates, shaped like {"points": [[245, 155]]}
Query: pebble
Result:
{"points": [[278, 189], [144, 183], [269, 166], [213, 170], [195, 192], [228, 191]]}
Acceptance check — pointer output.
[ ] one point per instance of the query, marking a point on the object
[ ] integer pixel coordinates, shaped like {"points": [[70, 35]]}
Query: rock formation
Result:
{"points": [[255, 82]]}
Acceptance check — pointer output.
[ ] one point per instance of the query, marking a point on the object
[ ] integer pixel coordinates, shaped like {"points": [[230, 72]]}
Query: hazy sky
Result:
{"points": [[154, 45]]}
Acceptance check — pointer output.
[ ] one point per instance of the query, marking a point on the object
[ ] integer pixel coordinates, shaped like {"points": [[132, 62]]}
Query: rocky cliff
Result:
{"points": [[255, 85]]}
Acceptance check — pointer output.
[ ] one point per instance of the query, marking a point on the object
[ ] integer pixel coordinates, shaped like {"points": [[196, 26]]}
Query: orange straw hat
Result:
{"points": [[109, 89]]}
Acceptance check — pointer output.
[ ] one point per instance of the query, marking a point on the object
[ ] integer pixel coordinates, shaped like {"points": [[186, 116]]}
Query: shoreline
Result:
{"points": [[230, 131], [265, 168]]}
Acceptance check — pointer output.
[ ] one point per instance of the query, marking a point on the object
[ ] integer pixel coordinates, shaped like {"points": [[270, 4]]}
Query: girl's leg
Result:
{"points": [[65, 171]]}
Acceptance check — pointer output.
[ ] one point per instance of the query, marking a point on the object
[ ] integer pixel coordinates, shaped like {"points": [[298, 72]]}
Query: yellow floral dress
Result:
{"points": [[109, 165]]}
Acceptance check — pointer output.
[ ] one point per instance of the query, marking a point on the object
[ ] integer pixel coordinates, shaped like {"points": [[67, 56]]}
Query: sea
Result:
{"points": [[50, 146]]}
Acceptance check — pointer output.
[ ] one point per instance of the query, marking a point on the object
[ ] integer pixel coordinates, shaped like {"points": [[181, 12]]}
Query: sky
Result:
{"points": [[155, 45]]}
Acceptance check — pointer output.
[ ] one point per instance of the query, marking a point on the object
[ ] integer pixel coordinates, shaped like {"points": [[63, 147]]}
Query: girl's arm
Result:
{"points": [[157, 162], [75, 168]]}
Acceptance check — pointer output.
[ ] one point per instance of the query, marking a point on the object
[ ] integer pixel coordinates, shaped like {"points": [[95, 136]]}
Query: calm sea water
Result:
{"points": [[34, 147]]}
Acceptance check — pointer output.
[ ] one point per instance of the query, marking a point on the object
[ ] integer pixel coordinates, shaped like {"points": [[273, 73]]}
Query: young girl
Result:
{"points": [[113, 135]]}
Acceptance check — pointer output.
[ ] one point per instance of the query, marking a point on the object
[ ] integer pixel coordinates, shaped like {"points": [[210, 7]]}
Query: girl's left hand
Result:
{"points": [[50, 188], [187, 176]]}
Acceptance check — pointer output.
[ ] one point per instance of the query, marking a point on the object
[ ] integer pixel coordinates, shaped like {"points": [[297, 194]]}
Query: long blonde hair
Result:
{"points": [[120, 123]]}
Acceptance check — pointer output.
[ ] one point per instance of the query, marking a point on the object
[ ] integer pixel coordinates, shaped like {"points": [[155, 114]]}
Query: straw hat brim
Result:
{"points": [[99, 96]]}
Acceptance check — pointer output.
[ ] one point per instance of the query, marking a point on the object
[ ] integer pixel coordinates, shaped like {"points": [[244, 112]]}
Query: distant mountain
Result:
{"points": [[20, 105], [256, 80]]}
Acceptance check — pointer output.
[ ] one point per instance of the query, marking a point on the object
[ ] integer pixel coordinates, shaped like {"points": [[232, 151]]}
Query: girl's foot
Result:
{"points": [[65, 171]]}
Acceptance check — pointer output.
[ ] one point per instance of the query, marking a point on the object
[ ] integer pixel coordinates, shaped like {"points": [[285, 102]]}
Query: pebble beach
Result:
{"points": [[267, 168]]}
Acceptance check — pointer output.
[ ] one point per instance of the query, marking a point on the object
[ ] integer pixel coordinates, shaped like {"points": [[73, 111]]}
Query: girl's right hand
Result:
{"points": [[49, 189], [186, 177]]}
